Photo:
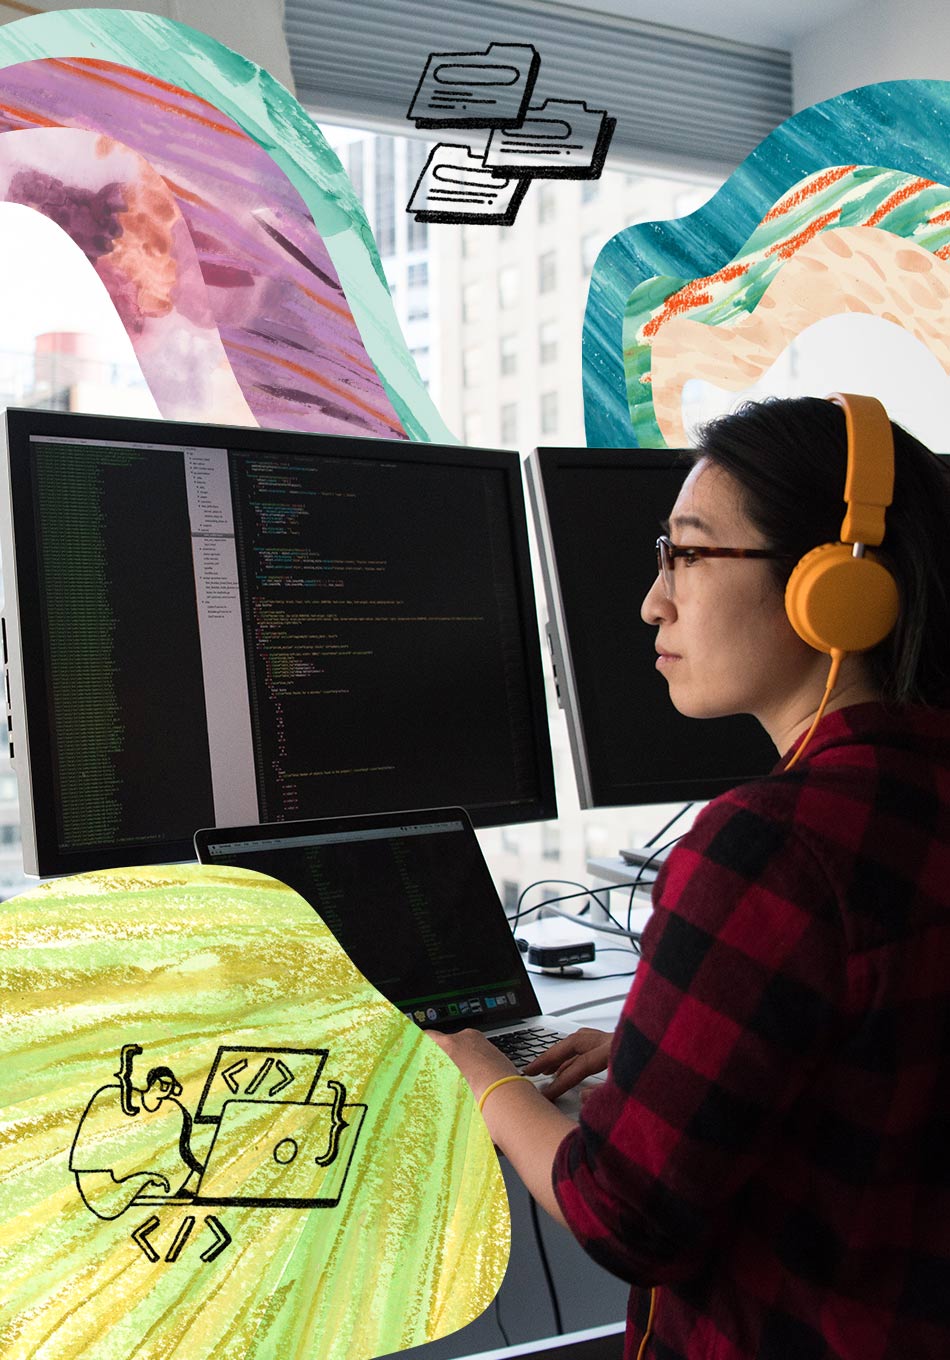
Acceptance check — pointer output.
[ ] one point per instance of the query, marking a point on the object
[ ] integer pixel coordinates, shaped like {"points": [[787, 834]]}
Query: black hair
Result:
{"points": [[789, 457], [156, 1072]]}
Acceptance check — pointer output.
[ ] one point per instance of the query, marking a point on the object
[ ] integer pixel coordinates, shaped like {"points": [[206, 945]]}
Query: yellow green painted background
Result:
{"points": [[181, 960]]}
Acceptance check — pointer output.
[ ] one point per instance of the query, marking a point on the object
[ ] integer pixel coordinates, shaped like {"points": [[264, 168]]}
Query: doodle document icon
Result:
{"points": [[456, 186], [561, 138], [476, 89]]}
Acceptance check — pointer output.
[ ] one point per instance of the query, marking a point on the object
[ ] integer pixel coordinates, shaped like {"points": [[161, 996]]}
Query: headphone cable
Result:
{"points": [[837, 657]]}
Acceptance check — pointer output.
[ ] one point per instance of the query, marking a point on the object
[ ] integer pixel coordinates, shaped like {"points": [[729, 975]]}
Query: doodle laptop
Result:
{"points": [[410, 898]]}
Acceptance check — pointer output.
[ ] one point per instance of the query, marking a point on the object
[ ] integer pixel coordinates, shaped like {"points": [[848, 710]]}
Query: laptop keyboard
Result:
{"points": [[521, 1045]]}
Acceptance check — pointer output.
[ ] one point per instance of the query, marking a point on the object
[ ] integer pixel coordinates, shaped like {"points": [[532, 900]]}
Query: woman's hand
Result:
{"points": [[479, 1061], [571, 1059]]}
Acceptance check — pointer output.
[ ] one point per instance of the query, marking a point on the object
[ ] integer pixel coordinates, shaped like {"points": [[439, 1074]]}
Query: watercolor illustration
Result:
{"points": [[844, 208], [277, 1163], [221, 223]]}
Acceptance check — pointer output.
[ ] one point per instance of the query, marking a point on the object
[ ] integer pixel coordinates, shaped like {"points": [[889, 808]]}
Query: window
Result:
{"points": [[508, 354], [547, 272], [590, 189], [471, 302], [550, 841], [417, 233], [547, 342], [417, 275], [510, 892], [508, 423], [590, 248], [472, 428], [385, 227], [547, 203], [508, 286], [354, 161], [548, 412], [471, 367], [418, 307]]}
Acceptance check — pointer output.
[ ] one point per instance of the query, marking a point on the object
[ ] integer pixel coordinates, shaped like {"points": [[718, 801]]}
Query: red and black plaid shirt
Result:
{"points": [[772, 1145]]}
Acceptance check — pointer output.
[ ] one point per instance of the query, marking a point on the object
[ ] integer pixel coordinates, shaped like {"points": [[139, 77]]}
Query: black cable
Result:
{"points": [[645, 865], [549, 902], [664, 829], [501, 1326], [542, 1252], [566, 897]]}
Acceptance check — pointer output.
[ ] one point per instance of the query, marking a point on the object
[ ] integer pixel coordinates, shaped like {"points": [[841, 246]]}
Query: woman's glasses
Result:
{"points": [[667, 552]]}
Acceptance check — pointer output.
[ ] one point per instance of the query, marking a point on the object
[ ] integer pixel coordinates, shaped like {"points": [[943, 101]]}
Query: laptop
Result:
{"points": [[410, 898]]}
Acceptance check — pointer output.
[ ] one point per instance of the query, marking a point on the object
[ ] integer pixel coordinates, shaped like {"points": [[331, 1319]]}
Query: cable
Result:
{"points": [[542, 1252], [664, 829], [566, 897], [594, 1001], [501, 1326], [646, 863], [589, 925]]}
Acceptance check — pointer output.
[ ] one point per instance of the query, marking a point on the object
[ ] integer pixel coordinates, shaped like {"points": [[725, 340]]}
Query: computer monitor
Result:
{"points": [[598, 513], [209, 625]]}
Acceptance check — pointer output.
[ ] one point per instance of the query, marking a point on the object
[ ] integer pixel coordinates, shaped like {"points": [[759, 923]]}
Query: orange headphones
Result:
{"points": [[837, 598]]}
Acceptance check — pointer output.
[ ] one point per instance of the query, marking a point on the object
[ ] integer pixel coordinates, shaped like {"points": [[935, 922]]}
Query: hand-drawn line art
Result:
{"points": [[476, 89], [274, 1146], [559, 139], [555, 139], [456, 186]]}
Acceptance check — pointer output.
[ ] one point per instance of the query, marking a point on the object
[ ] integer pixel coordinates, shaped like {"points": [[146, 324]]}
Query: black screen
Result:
{"points": [[228, 626], [413, 906], [604, 509]]}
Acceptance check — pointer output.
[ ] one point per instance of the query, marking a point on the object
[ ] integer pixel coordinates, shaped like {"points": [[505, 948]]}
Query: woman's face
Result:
{"points": [[725, 644]]}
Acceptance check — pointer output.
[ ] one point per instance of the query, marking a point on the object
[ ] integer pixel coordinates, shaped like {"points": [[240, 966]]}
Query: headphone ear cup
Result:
{"points": [[837, 602]]}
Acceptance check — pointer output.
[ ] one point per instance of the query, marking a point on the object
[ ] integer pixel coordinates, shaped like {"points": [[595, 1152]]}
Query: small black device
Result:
{"points": [[561, 955]]}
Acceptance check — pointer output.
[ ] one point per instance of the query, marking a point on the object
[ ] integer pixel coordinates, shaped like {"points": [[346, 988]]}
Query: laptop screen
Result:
{"points": [[411, 901]]}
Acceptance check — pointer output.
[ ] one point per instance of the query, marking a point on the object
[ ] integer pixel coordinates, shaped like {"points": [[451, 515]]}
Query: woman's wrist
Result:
{"points": [[501, 1081]]}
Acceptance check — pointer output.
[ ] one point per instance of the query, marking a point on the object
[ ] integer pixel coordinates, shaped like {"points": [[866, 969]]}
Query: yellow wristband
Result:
{"points": [[515, 1076]]}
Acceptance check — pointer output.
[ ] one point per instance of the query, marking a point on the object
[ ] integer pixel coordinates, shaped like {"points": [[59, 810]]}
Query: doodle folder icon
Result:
{"points": [[561, 138], [456, 186], [476, 89]]}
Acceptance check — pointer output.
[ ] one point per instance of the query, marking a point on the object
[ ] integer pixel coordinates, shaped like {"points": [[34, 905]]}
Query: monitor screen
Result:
{"points": [[598, 514], [209, 625]]}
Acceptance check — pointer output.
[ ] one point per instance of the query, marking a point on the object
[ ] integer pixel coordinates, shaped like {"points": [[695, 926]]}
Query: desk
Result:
{"points": [[588, 1297]]}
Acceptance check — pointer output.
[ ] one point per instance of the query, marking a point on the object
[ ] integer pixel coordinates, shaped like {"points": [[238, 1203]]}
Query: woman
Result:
{"points": [[768, 1160]]}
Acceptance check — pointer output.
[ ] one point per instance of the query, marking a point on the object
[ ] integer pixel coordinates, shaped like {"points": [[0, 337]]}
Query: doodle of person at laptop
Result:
{"points": [[133, 1141]]}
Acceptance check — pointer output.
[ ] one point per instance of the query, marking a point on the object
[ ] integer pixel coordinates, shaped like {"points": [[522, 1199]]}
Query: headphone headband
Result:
{"points": [[869, 484]]}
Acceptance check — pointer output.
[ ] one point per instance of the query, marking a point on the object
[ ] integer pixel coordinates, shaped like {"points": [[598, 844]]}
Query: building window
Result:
{"points": [[418, 307], [547, 203], [548, 412], [590, 248], [354, 158], [508, 281], [510, 892], [508, 423], [547, 342], [508, 354], [471, 367], [417, 233], [471, 302], [472, 428], [590, 188], [385, 196], [547, 272], [417, 275], [550, 841]]}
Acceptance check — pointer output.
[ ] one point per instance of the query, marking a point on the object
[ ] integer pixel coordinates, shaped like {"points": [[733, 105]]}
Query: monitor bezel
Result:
{"points": [[542, 466], [27, 687]]}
